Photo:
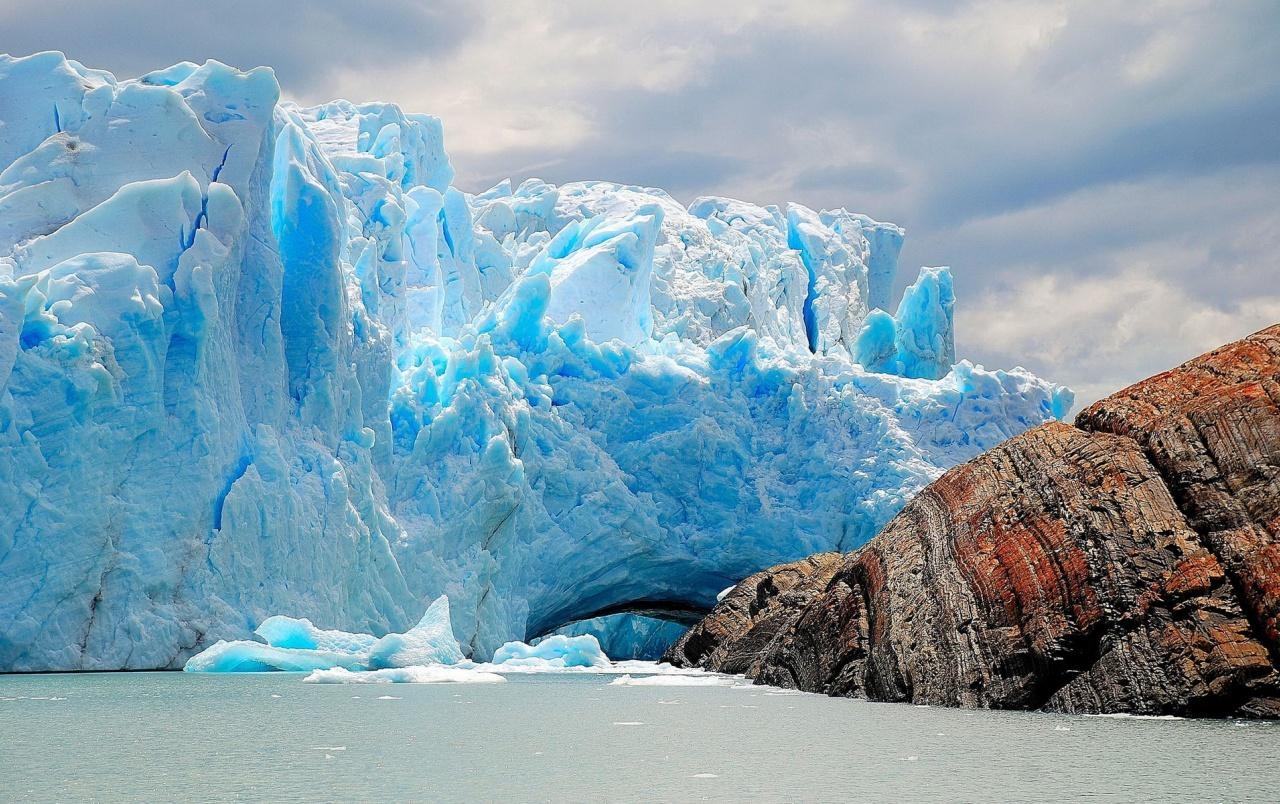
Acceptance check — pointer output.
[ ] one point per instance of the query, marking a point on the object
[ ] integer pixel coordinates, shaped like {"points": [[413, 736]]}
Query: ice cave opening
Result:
{"points": [[641, 634]]}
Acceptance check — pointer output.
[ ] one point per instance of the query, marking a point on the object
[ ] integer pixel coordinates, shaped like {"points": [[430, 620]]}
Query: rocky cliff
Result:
{"points": [[1130, 563]]}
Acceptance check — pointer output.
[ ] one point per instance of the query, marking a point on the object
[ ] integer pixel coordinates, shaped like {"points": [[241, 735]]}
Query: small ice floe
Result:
{"points": [[273, 695], [556, 652], [1062, 728], [912, 758], [430, 674], [704, 776], [389, 698], [329, 748], [668, 703], [628, 723], [627, 680], [296, 645], [1128, 716]]}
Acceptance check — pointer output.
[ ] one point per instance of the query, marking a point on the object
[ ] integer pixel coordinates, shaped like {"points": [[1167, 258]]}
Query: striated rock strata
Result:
{"points": [[1127, 564]]}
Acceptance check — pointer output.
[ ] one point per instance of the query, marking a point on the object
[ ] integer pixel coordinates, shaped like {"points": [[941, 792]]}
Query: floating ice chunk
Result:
{"points": [[672, 681], [431, 641], [554, 652], [288, 632], [254, 657], [404, 675], [297, 645]]}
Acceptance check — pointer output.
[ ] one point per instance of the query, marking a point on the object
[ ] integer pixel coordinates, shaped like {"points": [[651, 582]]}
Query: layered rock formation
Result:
{"points": [[1127, 564]]}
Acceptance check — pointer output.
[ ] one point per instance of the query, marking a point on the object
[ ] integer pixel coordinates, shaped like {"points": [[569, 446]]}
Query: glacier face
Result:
{"points": [[256, 358]]}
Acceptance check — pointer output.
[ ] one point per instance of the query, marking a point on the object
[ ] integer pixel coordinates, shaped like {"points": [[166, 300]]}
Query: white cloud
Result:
{"points": [[1103, 333]]}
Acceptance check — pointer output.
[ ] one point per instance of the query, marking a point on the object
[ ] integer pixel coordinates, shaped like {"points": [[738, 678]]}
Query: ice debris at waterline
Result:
{"points": [[250, 350], [293, 645], [436, 674], [675, 680]]}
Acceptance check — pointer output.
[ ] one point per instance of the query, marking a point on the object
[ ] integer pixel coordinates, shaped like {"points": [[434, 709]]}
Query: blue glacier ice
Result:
{"points": [[628, 636], [299, 634], [431, 641], [295, 645], [260, 359], [556, 651]]}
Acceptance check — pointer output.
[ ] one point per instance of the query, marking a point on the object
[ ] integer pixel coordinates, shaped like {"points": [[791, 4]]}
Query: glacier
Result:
{"points": [[260, 358]]}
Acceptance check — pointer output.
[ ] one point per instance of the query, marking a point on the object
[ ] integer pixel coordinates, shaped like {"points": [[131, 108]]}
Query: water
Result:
{"points": [[175, 736]]}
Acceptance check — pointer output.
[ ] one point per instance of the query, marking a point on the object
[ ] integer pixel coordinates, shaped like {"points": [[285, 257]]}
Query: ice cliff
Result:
{"points": [[256, 358]]}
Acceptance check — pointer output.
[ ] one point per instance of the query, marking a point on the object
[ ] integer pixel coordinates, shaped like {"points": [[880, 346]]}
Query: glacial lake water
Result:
{"points": [[184, 737]]}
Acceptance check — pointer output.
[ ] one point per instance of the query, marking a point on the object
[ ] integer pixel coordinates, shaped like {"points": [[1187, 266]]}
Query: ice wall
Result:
{"points": [[256, 358]]}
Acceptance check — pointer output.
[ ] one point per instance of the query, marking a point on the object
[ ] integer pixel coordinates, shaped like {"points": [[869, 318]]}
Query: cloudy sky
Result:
{"points": [[1103, 177]]}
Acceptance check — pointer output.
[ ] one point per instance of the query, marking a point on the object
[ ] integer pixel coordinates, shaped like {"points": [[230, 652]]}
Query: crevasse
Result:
{"points": [[256, 358]]}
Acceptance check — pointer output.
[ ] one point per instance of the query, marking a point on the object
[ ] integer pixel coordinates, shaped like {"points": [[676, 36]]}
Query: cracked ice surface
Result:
{"points": [[257, 358]]}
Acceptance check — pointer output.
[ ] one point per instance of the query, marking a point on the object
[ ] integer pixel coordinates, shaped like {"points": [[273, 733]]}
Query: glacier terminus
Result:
{"points": [[258, 359]]}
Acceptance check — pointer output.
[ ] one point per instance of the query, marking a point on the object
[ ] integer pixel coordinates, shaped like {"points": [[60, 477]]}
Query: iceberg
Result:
{"points": [[555, 652], [426, 653], [253, 657], [295, 645], [431, 641], [260, 358], [286, 632]]}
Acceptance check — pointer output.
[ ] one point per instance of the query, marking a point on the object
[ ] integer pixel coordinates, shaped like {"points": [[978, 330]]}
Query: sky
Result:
{"points": [[1102, 177]]}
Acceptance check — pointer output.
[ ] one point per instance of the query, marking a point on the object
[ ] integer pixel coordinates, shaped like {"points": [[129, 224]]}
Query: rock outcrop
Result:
{"points": [[1130, 563]]}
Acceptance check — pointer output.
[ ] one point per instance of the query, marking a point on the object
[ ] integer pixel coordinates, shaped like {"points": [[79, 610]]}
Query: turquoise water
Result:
{"points": [[175, 736]]}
